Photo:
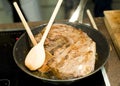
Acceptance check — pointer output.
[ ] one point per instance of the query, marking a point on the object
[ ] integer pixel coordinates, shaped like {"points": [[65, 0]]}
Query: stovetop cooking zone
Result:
{"points": [[11, 75]]}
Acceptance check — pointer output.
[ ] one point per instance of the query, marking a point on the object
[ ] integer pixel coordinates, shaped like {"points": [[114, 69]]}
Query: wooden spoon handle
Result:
{"points": [[25, 23], [91, 19], [51, 20]]}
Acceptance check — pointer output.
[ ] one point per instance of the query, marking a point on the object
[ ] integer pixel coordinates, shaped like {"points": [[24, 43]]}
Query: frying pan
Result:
{"points": [[22, 47]]}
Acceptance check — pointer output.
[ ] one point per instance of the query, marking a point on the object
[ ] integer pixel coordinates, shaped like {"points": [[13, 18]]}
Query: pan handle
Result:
{"points": [[77, 16]]}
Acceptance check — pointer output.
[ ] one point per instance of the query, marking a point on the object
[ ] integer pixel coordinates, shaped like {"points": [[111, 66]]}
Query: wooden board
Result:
{"points": [[112, 22]]}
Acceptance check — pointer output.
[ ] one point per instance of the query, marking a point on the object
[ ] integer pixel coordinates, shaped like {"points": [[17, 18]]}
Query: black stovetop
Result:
{"points": [[11, 75]]}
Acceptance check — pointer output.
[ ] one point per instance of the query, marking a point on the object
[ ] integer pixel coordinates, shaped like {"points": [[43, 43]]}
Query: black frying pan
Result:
{"points": [[22, 47]]}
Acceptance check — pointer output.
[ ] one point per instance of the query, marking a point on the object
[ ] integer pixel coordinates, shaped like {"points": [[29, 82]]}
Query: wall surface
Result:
{"points": [[46, 7]]}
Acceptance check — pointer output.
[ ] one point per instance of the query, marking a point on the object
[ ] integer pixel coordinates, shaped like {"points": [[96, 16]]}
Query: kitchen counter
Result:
{"points": [[113, 64]]}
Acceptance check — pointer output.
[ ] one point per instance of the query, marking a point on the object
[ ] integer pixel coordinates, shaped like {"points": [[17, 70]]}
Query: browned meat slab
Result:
{"points": [[73, 52]]}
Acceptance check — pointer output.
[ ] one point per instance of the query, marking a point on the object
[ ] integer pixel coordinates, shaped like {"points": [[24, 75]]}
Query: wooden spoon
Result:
{"points": [[36, 57], [107, 83], [34, 42]]}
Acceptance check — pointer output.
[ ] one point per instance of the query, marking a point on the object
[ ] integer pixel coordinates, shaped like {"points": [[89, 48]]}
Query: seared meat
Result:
{"points": [[73, 52]]}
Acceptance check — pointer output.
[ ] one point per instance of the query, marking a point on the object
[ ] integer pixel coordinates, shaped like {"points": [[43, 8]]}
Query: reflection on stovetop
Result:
{"points": [[11, 75]]}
